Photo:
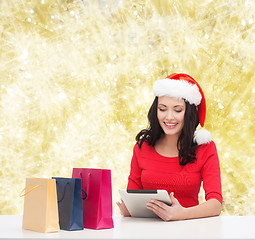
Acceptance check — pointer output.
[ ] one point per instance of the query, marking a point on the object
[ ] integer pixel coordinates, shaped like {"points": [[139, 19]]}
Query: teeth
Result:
{"points": [[171, 124]]}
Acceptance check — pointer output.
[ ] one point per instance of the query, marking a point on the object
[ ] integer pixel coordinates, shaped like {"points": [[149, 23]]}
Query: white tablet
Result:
{"points": [[135, 201]]}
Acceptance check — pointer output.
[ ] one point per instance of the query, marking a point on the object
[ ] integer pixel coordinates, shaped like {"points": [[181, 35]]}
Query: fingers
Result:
{"points": [[157, 204], [158, 208], [123, 209], [118, 204], [173, 199]]}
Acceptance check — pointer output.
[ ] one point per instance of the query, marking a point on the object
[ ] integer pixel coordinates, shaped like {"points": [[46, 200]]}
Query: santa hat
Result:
{"points": [[180, 85]]}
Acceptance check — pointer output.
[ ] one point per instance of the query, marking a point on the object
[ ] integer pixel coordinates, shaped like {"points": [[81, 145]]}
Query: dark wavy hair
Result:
{"points": [[185, 144]]}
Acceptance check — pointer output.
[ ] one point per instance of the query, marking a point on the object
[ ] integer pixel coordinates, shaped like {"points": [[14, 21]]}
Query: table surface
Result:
{"points": [[222, 227]]}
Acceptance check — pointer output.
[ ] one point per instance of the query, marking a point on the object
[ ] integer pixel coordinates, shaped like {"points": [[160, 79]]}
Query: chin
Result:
{"points": [[172, 133]]}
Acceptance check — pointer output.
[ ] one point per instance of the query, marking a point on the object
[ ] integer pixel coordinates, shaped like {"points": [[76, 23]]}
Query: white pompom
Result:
{"points": [[202, 136]]}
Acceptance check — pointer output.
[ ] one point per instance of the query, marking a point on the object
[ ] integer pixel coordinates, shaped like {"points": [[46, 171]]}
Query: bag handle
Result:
{"points": [[86, 195], [85, 192], [22, 195], [64, 193], [88, 187]]}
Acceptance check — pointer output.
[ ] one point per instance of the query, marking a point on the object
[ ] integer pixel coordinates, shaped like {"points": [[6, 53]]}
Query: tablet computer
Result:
{"points": [[135, 200]]}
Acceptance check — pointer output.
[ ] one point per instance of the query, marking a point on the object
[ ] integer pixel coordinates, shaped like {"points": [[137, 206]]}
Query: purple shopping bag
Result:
{"points": [[97, 207]]}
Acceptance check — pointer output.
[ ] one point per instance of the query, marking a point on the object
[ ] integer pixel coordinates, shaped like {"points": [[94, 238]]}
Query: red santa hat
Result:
{"points": [[180, 85]]}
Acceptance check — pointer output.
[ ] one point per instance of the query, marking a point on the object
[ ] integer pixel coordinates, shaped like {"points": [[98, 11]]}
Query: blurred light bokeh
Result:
{"points": [[76, 82]]}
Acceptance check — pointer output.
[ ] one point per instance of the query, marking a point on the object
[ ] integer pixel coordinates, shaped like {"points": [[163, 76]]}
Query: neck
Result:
{"points": [[170, 140], [167, 146]]}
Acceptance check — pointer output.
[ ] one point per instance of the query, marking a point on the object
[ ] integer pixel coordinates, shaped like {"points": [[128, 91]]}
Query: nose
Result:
{"points": [[170, 115]]}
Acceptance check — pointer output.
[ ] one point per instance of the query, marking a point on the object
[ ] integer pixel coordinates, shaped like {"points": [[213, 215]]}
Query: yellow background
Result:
{"points": [[76, 84]]}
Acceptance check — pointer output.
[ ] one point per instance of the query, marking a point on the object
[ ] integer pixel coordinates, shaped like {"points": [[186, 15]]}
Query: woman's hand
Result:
{"points": [[123, 209], [166, 212]]}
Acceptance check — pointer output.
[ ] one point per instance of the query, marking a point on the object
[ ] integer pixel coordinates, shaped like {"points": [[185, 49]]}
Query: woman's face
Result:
{"points": [[171, 113]]}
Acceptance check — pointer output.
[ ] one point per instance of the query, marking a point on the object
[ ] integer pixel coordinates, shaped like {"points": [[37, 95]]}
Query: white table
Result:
{"points": [[223, 227]]}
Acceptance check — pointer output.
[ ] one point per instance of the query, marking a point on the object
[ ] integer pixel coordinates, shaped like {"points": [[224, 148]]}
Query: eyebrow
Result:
{"points": [[174, 106]]}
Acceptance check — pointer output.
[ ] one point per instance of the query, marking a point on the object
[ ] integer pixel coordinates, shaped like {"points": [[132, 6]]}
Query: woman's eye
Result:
{"points": [[178, 111], [162, 109]]}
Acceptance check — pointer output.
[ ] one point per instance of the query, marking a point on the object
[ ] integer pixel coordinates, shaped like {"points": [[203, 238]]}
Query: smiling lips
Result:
{"points": [[170, 125]]}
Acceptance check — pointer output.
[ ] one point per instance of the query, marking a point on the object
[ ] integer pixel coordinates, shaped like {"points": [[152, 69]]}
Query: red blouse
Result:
{"points": [[150, 170]]}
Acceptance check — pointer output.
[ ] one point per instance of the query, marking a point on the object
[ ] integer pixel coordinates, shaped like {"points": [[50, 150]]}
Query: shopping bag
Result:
{"points": [[97, 207], [40, 211], [69, 193]]}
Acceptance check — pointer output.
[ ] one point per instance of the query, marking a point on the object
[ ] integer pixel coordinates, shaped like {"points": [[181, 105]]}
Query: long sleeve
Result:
{"points": [[134, 179], [211, 176]]}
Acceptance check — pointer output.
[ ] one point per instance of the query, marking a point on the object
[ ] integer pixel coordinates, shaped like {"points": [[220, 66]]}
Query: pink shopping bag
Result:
{"points": [[97, 207]]}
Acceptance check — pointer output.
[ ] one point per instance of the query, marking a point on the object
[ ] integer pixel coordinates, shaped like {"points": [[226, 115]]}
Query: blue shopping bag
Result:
{"points": [[70, 206]]}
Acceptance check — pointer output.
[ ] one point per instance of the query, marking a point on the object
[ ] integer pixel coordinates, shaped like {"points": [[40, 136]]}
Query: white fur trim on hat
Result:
{"points": [[202, 136], [178, 89]]}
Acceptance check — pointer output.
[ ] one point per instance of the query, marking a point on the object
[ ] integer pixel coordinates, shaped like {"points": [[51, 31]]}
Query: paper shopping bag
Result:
{"points": [[97, 207], [40, 205], [70, 208]]}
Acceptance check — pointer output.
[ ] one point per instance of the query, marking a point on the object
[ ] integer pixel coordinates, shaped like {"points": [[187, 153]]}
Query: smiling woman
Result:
{"points": [[71, 71], [171, 115], [172, 155]]}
